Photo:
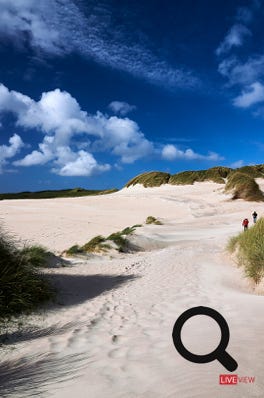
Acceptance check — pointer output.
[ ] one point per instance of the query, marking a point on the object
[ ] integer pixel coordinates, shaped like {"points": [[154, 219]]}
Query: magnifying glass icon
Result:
{"points": [[219, 353]]}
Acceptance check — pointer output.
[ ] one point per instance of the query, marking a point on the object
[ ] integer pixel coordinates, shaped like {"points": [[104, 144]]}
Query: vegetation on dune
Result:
{"points": [[95, 245], [130, 230], [244, 187], [183, 178], [153, 220], [215, 174], [256, 171], [155, 179], [151, 179], [101, 244], [120, 240], [249, 249], [74, 250], [22, 287], [241, 181], [64, 193], [35, 255]]}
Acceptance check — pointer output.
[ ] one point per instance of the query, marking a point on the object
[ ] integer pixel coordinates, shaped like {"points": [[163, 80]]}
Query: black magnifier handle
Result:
{"points": [[227, 361]]}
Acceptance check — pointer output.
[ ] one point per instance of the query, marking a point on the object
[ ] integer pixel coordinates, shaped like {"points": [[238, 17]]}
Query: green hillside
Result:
{"points": [[63, 193]]}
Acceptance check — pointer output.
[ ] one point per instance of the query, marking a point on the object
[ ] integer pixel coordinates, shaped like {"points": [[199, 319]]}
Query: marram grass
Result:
{"points": [[240, 182], [249, 248], [151, 179], [101, 244], [243, 186], [215, 174], [153, 220], [22, 287], [35, 255]]}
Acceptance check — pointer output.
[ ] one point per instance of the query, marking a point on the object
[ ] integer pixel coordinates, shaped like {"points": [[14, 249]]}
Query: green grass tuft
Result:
{"points": [[22, 287], [119, 239], [128, 230], [75, 249], [250, 250], [95, 245], [232, 243], [36, 255], [153, 220]]}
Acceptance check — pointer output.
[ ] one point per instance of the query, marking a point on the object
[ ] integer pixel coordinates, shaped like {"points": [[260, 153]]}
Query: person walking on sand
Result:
{"points": [[254, 215], [245, 224]]}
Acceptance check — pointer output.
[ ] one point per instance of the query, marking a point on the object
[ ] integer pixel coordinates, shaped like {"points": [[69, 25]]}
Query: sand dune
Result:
{"points": [[109, 335]]}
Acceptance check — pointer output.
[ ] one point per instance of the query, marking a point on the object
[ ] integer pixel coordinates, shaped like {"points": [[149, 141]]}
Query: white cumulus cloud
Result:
{"points": [[40, 157], [9, 151], [171, 152], [72, 137], [59, 117], [55, 111], [83, 164]]}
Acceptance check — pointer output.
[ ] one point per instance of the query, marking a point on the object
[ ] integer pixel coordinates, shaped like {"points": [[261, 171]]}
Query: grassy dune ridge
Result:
{"points": [[239, 182], [243, 186], [215, 174], [150, 179], [248, 247]]}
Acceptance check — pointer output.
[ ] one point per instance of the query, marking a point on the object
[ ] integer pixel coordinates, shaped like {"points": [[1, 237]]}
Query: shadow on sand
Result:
{"points": [[75, 289], [71, 290], [26, 376], [31, 377]]}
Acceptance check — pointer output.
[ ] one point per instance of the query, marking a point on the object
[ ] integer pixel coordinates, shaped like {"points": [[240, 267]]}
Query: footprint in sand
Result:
{"points": [[115, 338], [117, 353]]}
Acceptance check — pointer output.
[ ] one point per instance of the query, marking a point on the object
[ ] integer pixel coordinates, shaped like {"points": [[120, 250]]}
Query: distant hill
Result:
{"points": [[240, 182], [63, 193]]}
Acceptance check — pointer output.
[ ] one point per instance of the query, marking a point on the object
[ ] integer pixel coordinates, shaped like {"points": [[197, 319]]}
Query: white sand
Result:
{"points": [[112, 335]]}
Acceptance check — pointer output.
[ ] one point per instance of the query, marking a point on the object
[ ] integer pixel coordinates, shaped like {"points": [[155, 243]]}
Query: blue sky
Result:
{"points": [[95, 92]]}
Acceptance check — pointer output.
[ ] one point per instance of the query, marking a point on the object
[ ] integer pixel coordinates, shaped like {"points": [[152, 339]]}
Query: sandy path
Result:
{"points": [[60, 223], [112, 337]]}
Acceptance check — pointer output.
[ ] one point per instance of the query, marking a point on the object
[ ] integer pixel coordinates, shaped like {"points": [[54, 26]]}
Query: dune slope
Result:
{"points": [[112, 335]]}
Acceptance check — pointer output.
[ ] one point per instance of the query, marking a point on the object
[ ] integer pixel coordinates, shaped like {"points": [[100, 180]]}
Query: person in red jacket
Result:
{"points": [[245, 224]]}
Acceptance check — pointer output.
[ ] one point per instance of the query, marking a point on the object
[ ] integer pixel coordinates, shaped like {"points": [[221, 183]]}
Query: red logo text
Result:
{"points": [[235, 379]]}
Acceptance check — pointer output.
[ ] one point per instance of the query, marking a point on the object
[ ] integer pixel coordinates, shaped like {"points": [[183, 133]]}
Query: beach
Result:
{"points": [[110, 332]]}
